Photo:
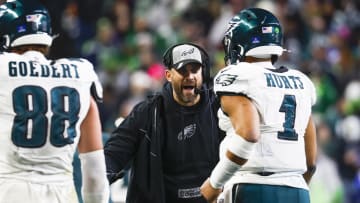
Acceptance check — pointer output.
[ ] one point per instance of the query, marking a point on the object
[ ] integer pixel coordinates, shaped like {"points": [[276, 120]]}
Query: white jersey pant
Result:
{"points": [[20, 191]]}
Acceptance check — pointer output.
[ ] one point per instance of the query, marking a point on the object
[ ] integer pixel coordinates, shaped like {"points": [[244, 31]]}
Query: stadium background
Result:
{"points": [[125, 40]]}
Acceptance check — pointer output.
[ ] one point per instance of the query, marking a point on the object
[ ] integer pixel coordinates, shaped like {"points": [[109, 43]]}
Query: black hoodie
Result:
{"points": [[170, 148]]}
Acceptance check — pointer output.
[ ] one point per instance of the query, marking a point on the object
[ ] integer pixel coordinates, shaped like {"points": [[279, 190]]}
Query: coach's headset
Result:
{"points": [[168, 62]]}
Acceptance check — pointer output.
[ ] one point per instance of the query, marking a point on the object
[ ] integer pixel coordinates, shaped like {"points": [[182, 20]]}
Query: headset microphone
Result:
{"points": [[198, 91], [201, 89]]}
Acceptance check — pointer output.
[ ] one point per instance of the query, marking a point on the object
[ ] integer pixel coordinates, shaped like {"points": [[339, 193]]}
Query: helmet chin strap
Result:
{"points": [[5, 42], [263, 56], [287, 50]]}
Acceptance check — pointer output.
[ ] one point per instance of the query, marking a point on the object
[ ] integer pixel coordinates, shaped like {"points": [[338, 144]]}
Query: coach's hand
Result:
{"points": [[209, 193]]}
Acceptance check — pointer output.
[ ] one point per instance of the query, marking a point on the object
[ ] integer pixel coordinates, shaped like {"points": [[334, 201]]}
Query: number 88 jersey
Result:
{"points": [[42, 105], [283, 98]]}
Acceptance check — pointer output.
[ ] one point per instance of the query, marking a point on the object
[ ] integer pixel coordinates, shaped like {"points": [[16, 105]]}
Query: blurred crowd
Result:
{"points": [[125, 40]]}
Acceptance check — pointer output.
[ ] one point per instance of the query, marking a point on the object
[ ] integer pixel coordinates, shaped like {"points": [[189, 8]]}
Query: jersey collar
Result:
{"points": [[35, 55], [265, 64]]}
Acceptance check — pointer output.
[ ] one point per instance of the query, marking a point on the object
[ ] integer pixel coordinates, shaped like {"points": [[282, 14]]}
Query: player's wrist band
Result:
{"points": [[226, 168], [95, 186], [222, 172], [239, 146]]}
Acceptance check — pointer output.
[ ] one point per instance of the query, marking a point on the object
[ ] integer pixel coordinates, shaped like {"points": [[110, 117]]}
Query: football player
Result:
{"points": [[47, 110], [269, 152]]}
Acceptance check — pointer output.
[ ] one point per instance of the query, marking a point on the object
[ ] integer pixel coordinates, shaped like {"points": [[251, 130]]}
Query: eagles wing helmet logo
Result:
{"points": [[225, 79]]}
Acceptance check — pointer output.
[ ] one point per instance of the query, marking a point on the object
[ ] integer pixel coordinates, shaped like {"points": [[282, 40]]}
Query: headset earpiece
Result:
{"points": [[206, 67]]}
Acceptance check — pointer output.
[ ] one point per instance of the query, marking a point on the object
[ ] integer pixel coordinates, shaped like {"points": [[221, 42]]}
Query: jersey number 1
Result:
{"points": [[31, 106], [288, 106]]}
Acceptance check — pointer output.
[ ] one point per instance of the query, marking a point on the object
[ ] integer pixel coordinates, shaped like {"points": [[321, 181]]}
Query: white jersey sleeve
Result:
{"points": [[233, 79], [96, 87], [42, 105], [283, 98]]}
